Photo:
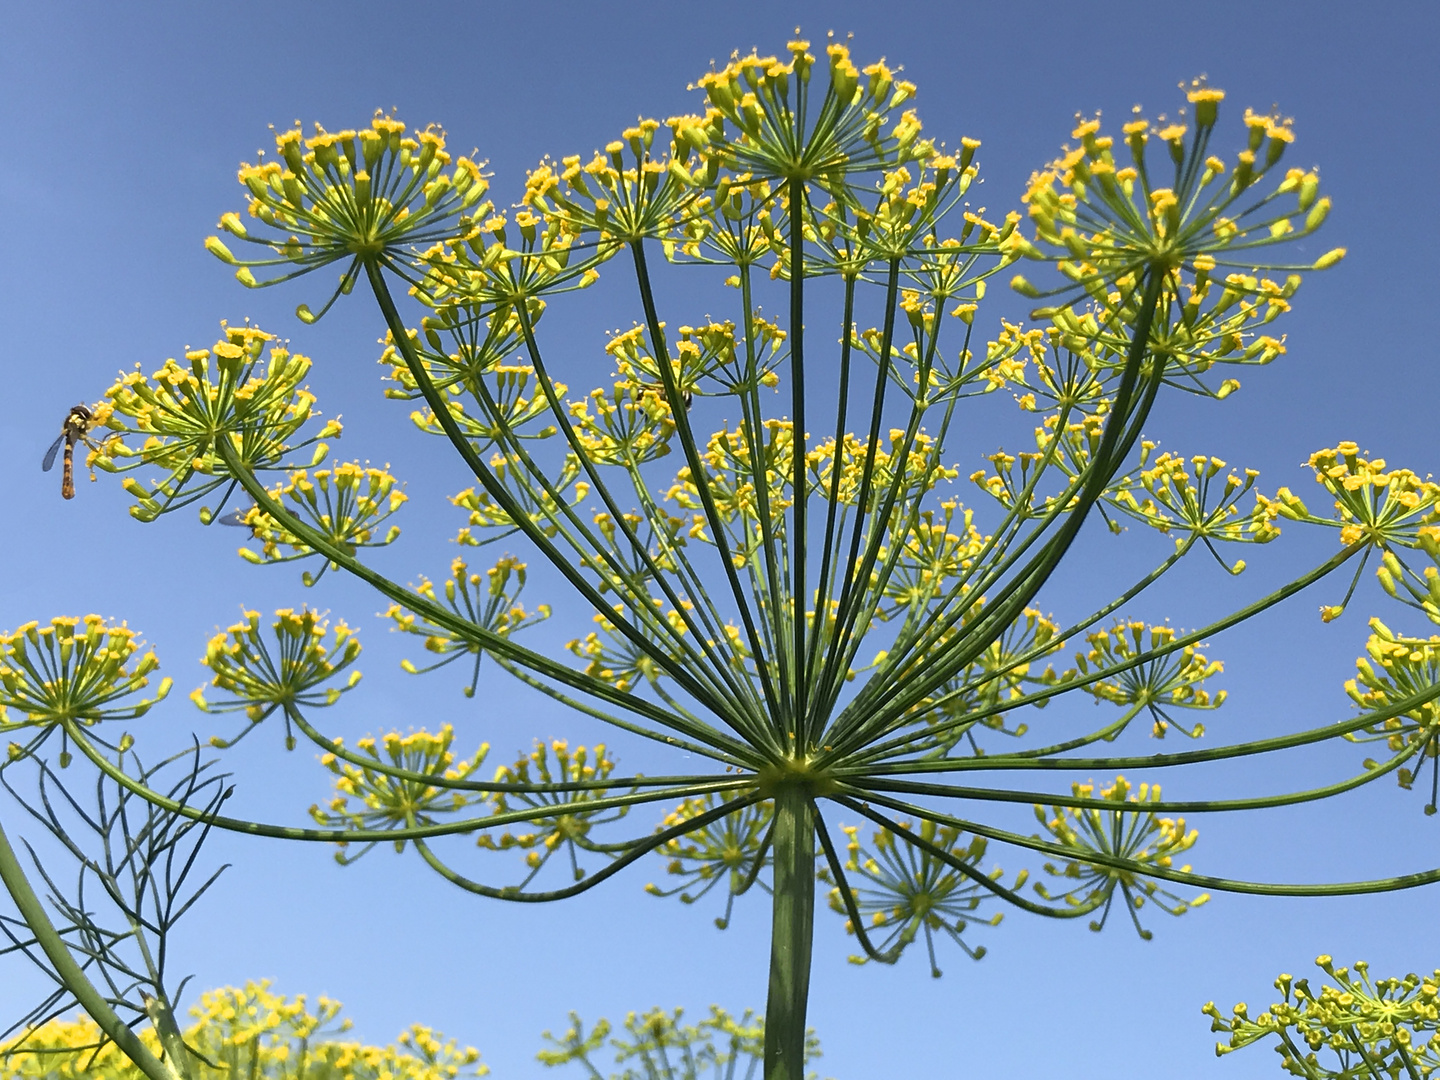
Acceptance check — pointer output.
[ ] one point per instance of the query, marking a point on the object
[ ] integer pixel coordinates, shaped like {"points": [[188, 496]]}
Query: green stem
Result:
{"points": [[799, 443], [418, 832], [641, 848], [1100, 859], [877, 750], [162, 1018], [497, 645], [70, 973], [792, 930], [1184, 806], [1133, 400], [502, 496], [774, 701]]}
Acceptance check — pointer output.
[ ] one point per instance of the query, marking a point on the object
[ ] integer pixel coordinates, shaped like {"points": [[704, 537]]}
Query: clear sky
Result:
{"points": [[123, 128]]}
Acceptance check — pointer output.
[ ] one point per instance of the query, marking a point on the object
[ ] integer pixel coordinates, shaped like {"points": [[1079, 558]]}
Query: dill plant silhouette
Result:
{"points": [[790, 594]]}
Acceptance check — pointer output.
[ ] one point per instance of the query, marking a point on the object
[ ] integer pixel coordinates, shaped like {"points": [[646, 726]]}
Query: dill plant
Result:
{"points": [[792, 594]]}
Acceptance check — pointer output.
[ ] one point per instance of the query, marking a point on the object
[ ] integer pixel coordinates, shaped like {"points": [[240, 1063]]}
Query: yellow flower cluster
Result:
{"points": [[69, 1050], [1375, 505], [371, 796], [561, 819], [1353, 1025], [182, 411], [260, 678], [616, 660], [1387, 509], [345, 503], [73, 671], [504, 267], [1171, 680], [900, 218], [545, 506], [1127, 235], [736, 226], [1068, 445], [363, 196], [1064, 377], [903, 890], [457, 345], [720, 1045], [627, 193], [925, 374], [1174, 494], [247, 1032], [1394, 669], [917, 465], [733, 849], [1211, 326], [1009, 668], [490, 600], [1132, 834], [508, 407], [627, 426], [707, 355], [748, 512], [1109, 220], [934, 554], [782, 135]]}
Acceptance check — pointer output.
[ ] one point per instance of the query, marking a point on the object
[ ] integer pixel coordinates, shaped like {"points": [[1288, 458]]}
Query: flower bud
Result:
{"points": [[680, 174], [1024, 288], [1207, 104], [216, 247]]}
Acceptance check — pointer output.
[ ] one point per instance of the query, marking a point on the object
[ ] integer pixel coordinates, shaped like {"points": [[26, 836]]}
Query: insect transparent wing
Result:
{"points": [[49, 462]]}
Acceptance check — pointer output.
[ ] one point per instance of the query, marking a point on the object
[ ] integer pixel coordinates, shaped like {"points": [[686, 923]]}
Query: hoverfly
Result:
{"points": [[237, 517], [658, 389], [76, 425]]}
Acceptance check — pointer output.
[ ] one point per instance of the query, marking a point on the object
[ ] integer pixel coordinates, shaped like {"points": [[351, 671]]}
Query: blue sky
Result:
{"points": [[124, 126]]}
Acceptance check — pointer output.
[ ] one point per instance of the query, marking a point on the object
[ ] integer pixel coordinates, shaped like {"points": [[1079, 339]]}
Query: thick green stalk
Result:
{"points": [[71, 973], [791, 934]]}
